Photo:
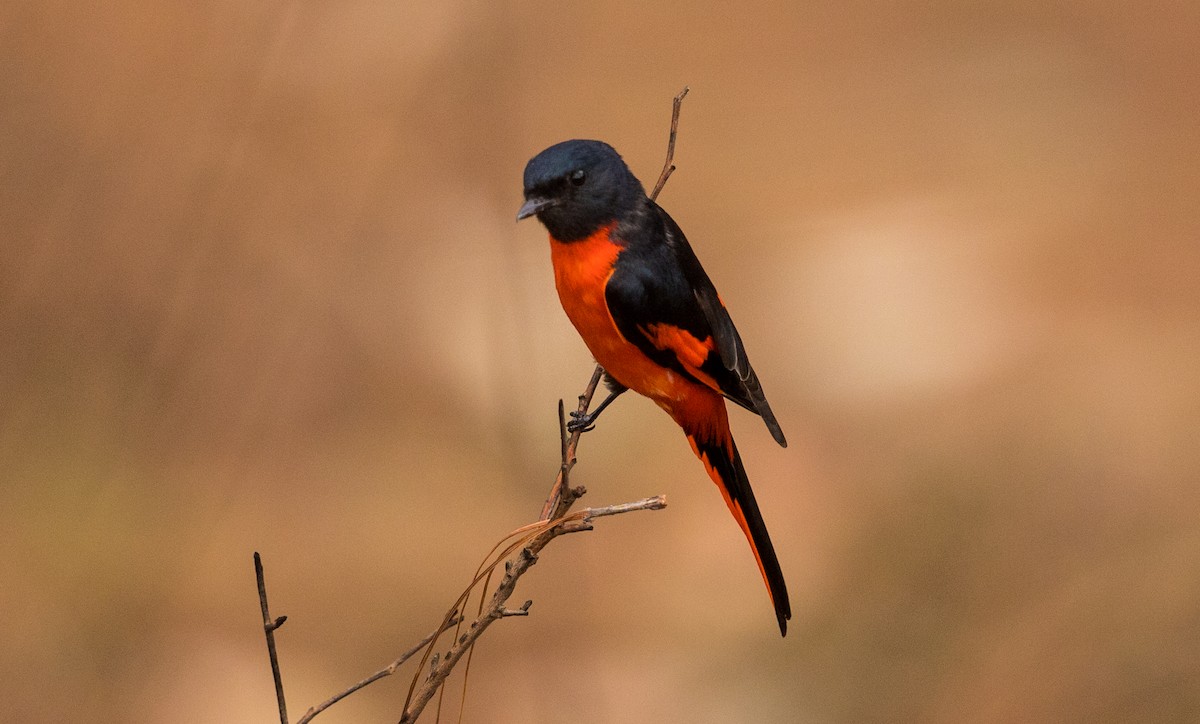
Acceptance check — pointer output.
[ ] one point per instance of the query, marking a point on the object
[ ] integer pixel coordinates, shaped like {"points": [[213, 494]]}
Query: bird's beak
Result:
{"points": [[532, 206]]}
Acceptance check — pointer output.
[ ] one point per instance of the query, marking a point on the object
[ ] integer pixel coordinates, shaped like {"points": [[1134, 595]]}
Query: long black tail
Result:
{"points": [[724, 465]]}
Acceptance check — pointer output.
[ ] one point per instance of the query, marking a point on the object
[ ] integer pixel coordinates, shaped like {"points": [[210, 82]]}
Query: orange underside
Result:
{"points": [[581, 273]]}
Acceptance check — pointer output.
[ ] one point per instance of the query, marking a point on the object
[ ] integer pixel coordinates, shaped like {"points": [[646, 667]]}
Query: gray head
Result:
{"points": [[576, 187]]}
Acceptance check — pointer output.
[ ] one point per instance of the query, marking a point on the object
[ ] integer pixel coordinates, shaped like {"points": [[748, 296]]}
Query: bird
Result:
{"points": [[635, 291]]}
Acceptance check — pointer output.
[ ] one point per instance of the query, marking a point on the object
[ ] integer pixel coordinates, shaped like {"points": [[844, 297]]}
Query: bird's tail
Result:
{"points": [[713, 444]]}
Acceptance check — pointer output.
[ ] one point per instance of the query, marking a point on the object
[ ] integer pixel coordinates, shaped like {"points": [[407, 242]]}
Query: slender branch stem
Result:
{"points": [[385, 671], [561, 496], [658, 502], [576, 522], [269, 626], [669, 165]]}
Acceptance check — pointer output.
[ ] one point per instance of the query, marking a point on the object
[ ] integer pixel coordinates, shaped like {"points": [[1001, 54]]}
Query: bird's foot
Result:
{"points": [[581, 422]]}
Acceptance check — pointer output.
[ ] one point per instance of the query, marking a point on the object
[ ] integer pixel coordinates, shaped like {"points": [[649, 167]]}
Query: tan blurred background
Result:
{"points": [[261, 289]]}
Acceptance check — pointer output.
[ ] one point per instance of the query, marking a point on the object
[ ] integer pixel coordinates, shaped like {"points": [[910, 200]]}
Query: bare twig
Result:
{"points": [[559, 500], [575, 522], [522, 611], [561, 496], [668, 165], [586, 515], [384, 672], [269, 627]]}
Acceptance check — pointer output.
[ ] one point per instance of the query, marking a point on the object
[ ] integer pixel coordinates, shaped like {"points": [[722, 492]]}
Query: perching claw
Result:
{"points": [[582, 422]]}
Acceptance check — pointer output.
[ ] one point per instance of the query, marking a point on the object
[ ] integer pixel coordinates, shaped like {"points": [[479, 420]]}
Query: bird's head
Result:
{"points": [[576, 187]]}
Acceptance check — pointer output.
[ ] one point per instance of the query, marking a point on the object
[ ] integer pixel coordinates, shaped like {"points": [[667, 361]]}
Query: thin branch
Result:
{"points": [[658, 502], [560, 499], [531, 539], [575, 522], [384, 672], [269, 626], [669, 165], [522, 611], [561, 496], [562, 431]]}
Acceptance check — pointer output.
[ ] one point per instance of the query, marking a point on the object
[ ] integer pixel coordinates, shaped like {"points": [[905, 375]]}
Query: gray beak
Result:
{"points": [[532, 206]]}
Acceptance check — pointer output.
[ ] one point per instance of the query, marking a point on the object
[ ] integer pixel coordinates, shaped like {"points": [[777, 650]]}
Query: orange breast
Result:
{"points": [[581, 273]]}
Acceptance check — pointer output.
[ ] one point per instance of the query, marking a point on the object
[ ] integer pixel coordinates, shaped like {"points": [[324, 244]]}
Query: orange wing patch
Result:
{"points": [[581, 272], [690, 351]]}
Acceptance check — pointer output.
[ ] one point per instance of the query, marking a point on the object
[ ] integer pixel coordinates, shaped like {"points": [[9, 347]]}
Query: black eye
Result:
{"points": [[578, 177]]}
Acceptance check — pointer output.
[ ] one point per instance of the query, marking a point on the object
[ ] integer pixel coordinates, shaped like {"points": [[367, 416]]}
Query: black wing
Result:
{"points": [[659, 286]]}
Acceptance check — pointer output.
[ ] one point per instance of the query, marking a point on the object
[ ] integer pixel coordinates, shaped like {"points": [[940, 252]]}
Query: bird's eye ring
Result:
{"points": [[578, 177]]}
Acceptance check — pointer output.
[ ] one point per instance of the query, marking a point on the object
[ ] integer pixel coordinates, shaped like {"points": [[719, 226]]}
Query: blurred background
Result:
{"points": [[261, 289]]}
